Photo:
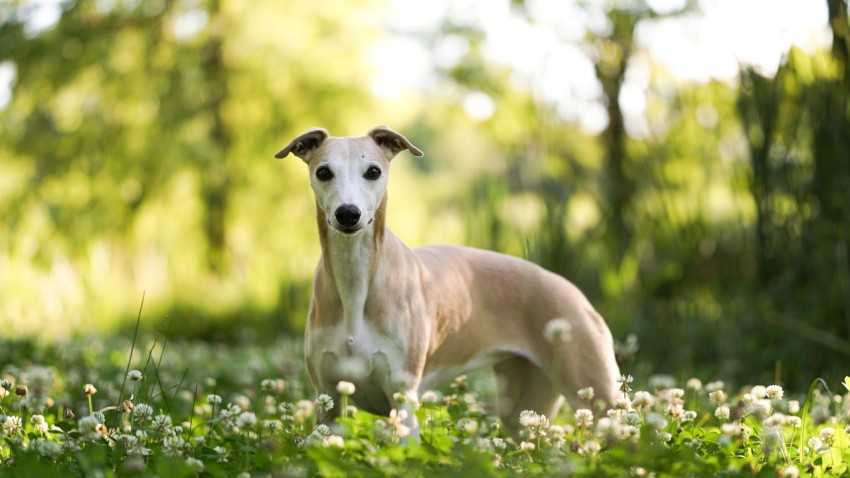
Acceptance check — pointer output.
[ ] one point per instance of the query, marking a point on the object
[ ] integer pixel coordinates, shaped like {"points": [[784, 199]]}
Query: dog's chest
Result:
{"points": [[373, 362]]}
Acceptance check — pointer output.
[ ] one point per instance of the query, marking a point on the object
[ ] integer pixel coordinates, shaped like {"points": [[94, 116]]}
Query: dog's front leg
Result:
{"points": [[400, 387]]}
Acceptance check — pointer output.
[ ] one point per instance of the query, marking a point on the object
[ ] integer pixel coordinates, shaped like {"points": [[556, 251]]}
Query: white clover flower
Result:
{"points": [[793, 407], [789, 472], [694, 384], [585, 393], [173, 446], [48, 449], [529, 419], [324, 403], [221, 452], [13, 425], [429, 398], [333, 441], [717, 397], [39, 424], [632, 418], [213, 399], [467, 426], [689, 415], [623, 403], [143, 412], [591, 447], [665, 437], [499, 444], [88, 428], [345, 388], [731, 429], [776, 420], [748, 399], [558, 331], [7, 384], [643, 400], [759, 391], [162, 422], [722, 412], [134, 375], [246, 420], [774, 392], [795, 422], [584, 418], [815, 444], [396, 422], [827, 434], [714, 386], [195, 464], [527, 446]]}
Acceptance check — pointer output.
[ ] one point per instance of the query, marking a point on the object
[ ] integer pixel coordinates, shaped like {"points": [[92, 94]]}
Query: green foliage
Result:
{"points": [[256, 417]]}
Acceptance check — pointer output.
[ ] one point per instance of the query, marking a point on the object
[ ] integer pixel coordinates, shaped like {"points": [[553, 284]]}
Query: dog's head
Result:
{"points": [[349, 175]]}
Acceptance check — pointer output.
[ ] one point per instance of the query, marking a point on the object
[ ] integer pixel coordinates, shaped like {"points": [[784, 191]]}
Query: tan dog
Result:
{"points": [[391, 319]]}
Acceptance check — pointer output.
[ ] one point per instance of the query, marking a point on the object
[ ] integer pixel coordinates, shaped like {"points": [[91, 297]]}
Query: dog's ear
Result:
{"points": [[305, 145], [391, 142]]}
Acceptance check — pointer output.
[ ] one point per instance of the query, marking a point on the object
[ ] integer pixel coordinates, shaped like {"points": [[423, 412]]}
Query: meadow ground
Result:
{"points": [[125, 406]]}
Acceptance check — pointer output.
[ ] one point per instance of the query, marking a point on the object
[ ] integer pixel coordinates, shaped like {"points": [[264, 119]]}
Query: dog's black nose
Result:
{"points": [[347, 215]]}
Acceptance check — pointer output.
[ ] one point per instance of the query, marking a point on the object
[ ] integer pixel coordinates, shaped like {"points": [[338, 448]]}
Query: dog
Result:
{"points": [[397, 321]]}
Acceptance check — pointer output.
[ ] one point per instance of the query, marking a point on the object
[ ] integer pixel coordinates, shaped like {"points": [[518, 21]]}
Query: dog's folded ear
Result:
{"points": [[391, 142], [305, 145]]}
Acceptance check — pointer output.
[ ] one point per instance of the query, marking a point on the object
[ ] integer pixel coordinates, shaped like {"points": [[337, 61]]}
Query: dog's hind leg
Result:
{"points": [[521, 385]]}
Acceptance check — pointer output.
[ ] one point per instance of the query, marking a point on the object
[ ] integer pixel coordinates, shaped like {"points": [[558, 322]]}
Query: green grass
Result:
{"points": [[170, 422]]}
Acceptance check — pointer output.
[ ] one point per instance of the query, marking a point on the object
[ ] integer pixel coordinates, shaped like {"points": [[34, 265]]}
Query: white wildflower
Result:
{"points": [[558, 331], [643, 400], [345, 388], [134, 375], [717, 397], [584, 418], [586, 393], [694, 384], [213, 399], [722, 412], [246, 420], [527, 446], [774, 392], [324, 403], [333, 441], [143, 412], [591, 447], [39, 424], [12, 425]]}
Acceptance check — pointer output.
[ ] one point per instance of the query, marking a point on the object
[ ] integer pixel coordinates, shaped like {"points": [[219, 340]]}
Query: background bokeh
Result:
{"points": [[686, 164]]}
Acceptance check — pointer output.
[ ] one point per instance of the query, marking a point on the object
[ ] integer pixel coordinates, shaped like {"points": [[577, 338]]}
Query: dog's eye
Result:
{"points": [[324, 174], [372, 173]]}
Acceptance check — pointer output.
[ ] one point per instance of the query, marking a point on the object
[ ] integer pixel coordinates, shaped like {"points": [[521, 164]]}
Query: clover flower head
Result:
{"points": [[134, 375], [643, 400], [12, 425], [584, 418], [142, 412], [585, 393], [694, 384], [39, 424], [558, 331], [89, 390], [333, 441], [722, 412], [246, 420], [324, 403], [717, 397], [774, 392], [345, 388], [213, 399]]}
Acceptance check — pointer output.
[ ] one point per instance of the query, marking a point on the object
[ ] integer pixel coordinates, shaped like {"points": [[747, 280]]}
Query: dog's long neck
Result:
{"points": [[351, 262]]}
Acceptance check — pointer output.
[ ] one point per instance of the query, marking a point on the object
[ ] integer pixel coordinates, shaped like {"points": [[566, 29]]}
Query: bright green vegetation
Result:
{"points": [[85, 408]]}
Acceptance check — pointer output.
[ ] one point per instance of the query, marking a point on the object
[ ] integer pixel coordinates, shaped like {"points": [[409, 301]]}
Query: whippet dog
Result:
{"points": [[394, 320]]}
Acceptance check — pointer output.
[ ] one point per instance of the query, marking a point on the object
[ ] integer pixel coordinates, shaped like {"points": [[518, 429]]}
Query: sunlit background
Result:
{"points": [[685, 163]]}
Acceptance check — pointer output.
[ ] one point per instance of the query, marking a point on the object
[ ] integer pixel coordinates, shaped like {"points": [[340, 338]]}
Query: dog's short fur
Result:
{"points": [[393, 320]]}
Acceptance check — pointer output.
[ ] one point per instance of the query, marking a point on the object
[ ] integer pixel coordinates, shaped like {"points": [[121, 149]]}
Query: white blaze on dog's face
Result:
{"points": [[349, 175]]}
